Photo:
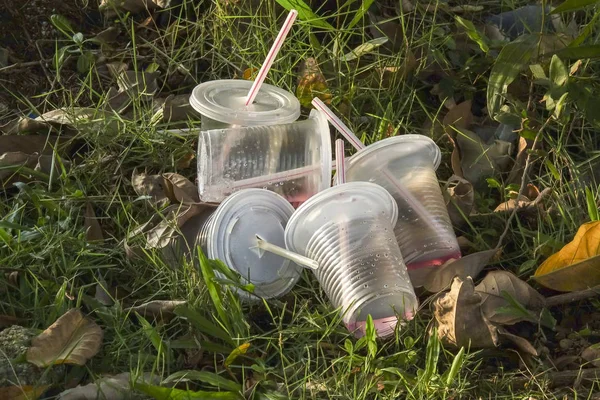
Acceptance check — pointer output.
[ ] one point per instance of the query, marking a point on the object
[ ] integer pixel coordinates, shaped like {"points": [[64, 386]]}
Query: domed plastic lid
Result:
{"points": [[397, 147], [232, 238], [224, 101], [339, 203]]}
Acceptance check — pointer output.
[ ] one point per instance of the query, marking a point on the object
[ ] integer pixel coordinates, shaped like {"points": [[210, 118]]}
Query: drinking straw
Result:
{"points": [[358, 145], [340, 162], [277, 176], [264, 69], [285, 253]]}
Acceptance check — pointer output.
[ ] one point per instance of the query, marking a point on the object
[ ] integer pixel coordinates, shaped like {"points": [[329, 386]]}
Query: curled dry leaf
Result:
{"points": [[178, 108], [467, 266], [521, 343], [460, 198], [93, 230], [139, 84], [531, 201], [311, 84], [460, 321], [158, 309], [180, 189], [22, 392], [491, 288], [110, 7], [577, 265], [72, 339], [149, 185], [459, 117]]}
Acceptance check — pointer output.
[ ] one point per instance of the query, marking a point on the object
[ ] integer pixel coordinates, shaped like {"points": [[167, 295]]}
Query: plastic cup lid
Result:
{"points": [[323, 129], [339, 203], [224, 101], [232, 238], [397, 147]]}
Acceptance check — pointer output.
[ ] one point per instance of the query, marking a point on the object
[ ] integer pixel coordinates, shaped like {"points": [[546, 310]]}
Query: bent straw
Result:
{"points": [[285, 253], [358, 145], [340, 162], [264, 69]]}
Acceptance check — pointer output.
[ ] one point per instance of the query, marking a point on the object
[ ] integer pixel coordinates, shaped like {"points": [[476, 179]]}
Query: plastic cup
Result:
{"points": [[221, 104], [348, 229], [412, 161], [292, 159], [229, 233]]}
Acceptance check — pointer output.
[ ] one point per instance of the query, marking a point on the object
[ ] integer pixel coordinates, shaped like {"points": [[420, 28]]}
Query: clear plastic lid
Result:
{"points": [[339, 203], [232, 238], [224, 101], [397, 148]]}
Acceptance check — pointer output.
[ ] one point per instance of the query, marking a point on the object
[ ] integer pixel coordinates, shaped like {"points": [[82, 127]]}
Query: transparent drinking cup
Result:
{"points": [[222, 104], [348, 230], [293, 160]]}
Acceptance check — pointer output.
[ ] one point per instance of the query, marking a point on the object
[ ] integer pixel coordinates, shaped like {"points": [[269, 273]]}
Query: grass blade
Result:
{"points": [[572, 5], [591, 205], [214, 290], [360, 13], [591, 51], [456, 366], [164, 393], [204, 376], [203, 324], [305, 13]]}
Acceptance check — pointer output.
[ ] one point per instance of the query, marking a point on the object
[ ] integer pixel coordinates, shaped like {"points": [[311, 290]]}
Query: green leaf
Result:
{"points": [[204, 376], [432, 354], [513, 58], [85, 62], [364, 48], [214, 290], [591, 205], [457, 364], [62, 24], [538, 71], [164, 393], [360, 13], [572, 5], [305, 13], [153, 336], [371, 336], [78, 38], [203, 324], [560, 105], [581, 52], [238, 351], [558, 71], [473, 33], [552, 169]]}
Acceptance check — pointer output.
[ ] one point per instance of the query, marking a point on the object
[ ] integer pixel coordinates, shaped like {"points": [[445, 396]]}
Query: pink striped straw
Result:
{"points": [[340, 162], [264, 69], [339, 125]]}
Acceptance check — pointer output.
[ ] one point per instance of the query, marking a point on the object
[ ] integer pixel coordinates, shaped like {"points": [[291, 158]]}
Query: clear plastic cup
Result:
{"points": [[348, 229], [411, 160], [221, 104], [292, 159], [229, 233]]}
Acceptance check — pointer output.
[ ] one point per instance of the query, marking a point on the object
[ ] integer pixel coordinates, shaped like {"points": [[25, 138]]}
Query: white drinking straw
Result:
{"points": [[358, 145], [264, 69], [340, 165], [285, 253]]}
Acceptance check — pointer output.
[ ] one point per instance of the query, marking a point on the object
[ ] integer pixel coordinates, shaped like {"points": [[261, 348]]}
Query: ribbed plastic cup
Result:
{"points": [[222, 104], [348, 229], [229, 233], [412, 161], [292, 159]]}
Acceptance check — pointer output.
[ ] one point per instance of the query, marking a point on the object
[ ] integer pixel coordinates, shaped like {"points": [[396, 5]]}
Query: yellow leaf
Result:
{"points": [[72, 339], [311, 84], [577, 265], [250, 74], [22, 392], [238, 351]]}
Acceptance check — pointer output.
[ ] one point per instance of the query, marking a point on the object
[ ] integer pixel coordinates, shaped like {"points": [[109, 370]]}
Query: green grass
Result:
{"points": [[298, 346]]}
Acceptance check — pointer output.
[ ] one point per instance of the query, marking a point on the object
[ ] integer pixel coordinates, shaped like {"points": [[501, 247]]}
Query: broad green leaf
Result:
{"points": [[203, 324], [572, 5], [473, 33], [513, 58], [165, 393], [152, 335], [305, 13], [591, 51], [577, 265], [558, 71], [85, 62], [238, 351], [62, 24], [364, 48], [204, 376], [591, 205], [78, 38], [214, 290], [360, 13], [456, 366]]}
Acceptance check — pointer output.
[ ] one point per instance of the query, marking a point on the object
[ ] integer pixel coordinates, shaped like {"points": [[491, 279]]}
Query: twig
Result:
{"points": [[20, 65], [572, 297], [560, 378]]}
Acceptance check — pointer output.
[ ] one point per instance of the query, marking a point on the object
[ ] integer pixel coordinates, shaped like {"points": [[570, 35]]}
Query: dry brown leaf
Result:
{"points": [[391, 75], [178, 108], [577, 265], [311, 84], [72, 339], [467, 266], [516, 173], [460, 198], [150, 185], [109, 7], [165, 232], [141, 85], [521, 343], [459, 117], [459, 319], [22, 392], [115, 387], [533, 200], [93, 230], [491, 288], [158, 309], [7, 320], [592, 355], [180, 189]]}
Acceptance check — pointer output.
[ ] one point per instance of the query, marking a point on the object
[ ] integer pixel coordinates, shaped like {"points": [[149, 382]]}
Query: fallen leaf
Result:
{"points": [[389, 28], [491, 288], [93, 230], [460, 116], [30, 144], [178, 108], [22, 392], [180, 189], [72, 339], [532, 201], [250, 74], [116, 387], [516, 173], [577, 265], [460, 198], [460, 321], [592, 354], [149, 185], [110, 7], [311, 84], [391, 75], [136, 84], [521, 343], [7, 320], [364, 48], [467, 266], [158, 309]]}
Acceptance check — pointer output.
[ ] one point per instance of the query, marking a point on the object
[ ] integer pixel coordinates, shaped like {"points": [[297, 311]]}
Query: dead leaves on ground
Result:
{"points": [[22, 392], [311, 84], [72, 339], [577, 265], [467, 266], [115, 387]]}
